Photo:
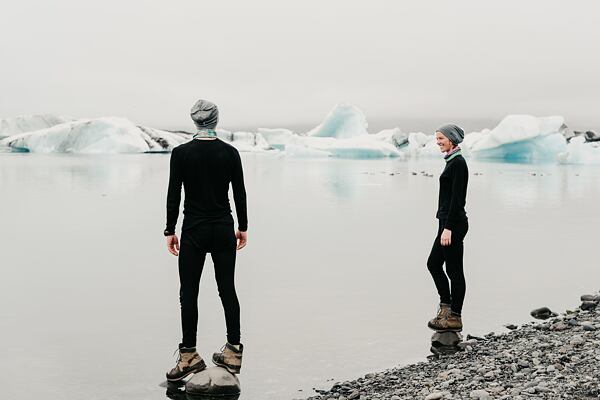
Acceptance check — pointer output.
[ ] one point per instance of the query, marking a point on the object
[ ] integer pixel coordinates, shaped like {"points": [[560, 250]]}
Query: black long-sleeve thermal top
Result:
{"points": [[205, 168], [453, 192]]}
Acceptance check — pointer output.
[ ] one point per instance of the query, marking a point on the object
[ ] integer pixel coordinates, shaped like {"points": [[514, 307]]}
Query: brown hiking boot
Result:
{"points": [[443, 311], [229, 358], [189, 362], [452, 323]]}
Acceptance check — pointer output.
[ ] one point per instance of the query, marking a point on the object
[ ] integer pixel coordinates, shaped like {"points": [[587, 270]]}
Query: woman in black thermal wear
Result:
{"points": [[453, 226]]}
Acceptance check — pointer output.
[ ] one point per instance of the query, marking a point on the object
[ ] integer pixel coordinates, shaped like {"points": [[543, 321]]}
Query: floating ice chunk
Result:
{"points": [[343, 122], [359, 147], [580, 152], [522, 138], [100, 135], [277, 138], [28, 123], [394, 136], [298, 150], [244, 141], [422, 145]]}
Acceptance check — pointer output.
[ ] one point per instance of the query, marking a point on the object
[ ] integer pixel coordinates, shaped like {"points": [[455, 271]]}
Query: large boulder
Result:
{"points": [[214, 382]]}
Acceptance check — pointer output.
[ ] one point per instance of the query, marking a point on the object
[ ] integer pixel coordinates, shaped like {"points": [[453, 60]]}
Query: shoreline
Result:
{"points": [[557, 358]]}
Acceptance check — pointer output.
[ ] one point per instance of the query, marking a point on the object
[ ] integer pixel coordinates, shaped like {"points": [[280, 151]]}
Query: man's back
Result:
{"points": [[205, 168]]}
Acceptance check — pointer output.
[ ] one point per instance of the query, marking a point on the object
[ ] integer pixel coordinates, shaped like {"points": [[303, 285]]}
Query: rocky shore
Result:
{"points": [[558, 358]]}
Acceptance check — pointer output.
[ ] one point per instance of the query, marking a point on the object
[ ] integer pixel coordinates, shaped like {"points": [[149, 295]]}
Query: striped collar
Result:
{"points": [[453, 154], [205, 133]]}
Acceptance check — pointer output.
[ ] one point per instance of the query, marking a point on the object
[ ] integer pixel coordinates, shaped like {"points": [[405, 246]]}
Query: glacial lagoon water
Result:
{"points": [[333, 282]]}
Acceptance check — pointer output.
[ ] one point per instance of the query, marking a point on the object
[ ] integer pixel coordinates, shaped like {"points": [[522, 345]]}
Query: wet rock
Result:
{"points": [[445, 342], [541, 313], [590, 297], [588, 305], [213, 381]]}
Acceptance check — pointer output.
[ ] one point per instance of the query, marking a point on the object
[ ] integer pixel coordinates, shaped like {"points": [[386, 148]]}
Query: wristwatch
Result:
{"points": [[168, 232]]}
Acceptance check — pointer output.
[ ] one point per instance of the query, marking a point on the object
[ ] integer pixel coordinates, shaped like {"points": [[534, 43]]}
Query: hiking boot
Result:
{"points": [[189, 362], [451, 323], [229, 358], [443, 311]]}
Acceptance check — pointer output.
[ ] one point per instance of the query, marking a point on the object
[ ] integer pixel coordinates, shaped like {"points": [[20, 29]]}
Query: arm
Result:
{"points": [[239, 193], [174, 192]]}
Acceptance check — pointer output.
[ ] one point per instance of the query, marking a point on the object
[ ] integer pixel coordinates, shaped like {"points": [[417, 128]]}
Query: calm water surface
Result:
{"points": [[333, 283]]}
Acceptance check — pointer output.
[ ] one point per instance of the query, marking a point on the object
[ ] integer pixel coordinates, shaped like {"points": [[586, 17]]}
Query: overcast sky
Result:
{"points": [[280, 63]]}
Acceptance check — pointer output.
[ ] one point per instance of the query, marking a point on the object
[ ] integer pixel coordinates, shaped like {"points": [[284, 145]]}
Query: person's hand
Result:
{"points": [[242, 239], [446, 237], [173, 244]]}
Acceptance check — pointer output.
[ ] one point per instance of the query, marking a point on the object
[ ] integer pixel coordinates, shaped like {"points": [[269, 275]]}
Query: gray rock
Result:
{"points": [[354, 395], [480, 394], [587, 326], [435, 396], [214, 381], [446, 338], [588, 305], [541, 313], [590, 297]]}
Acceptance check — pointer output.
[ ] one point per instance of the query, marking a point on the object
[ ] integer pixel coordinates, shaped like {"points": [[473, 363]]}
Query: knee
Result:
{"points": [[455, 274], [433, 264]]}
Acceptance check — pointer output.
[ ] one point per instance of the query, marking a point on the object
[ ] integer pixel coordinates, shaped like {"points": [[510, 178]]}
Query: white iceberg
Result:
{"points": [[343, 133], [520, 138], [277, 138], [244, 141], [99, 135], [580, 152], [343, 122], [28, 123]]}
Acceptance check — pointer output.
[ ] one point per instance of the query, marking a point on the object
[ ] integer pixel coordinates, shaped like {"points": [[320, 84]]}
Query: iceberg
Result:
{"points": [[343, 133], [343, 122], [520, 138], [28, 123], [244, 141], [359, 147], [276, 138], [579, 151], [99, 135]]}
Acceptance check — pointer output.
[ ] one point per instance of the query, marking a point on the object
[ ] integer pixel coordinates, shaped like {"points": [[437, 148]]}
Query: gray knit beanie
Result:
{"points": [[452, 132], [205, 115]]}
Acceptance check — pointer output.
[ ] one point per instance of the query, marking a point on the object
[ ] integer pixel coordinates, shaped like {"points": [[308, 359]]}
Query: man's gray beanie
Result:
{"points": [[205, 115], [452, 132]]}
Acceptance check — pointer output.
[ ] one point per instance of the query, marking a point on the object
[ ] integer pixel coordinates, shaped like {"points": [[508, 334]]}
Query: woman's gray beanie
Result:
{"points": [[452, 132], [205, 115]]}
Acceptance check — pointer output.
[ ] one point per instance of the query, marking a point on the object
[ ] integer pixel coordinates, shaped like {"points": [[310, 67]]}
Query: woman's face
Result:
{"points": [[445, 144]]}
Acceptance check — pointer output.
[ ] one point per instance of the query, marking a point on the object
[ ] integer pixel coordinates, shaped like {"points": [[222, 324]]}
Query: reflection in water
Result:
{"points": [[176, 391]]}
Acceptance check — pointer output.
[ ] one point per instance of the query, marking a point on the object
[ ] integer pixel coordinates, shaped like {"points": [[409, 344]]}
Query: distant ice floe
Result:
{"points": [[99, 135], [343, 134], [28, 123]]}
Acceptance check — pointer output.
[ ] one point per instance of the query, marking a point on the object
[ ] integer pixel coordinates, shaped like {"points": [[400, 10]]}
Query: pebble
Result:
{"points": [[435, 396], [541, 313], [480, 395]]}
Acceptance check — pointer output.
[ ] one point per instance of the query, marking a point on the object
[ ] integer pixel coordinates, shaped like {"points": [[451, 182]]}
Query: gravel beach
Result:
{"points": [[558, 358]]}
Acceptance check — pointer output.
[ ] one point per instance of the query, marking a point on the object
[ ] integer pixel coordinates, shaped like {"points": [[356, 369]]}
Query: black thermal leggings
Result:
{"points": [[452, 292], [218, 240]]}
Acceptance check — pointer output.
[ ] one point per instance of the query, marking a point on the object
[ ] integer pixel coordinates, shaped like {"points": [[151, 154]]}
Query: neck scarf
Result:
{"points": [[205, 133], [455, 152]]}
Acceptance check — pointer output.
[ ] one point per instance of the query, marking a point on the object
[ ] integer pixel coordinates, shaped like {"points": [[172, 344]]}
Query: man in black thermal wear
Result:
{"points": [[206, 166]]}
